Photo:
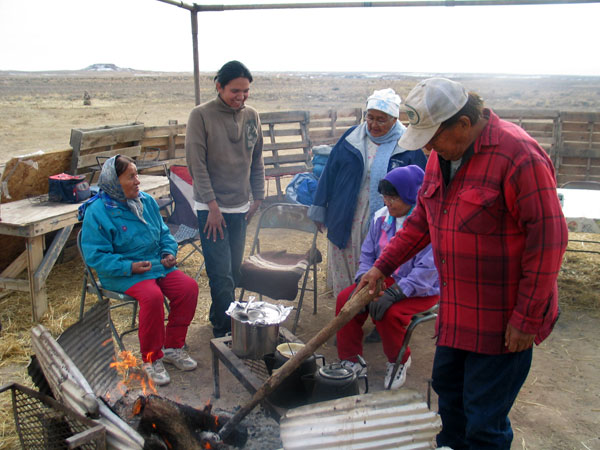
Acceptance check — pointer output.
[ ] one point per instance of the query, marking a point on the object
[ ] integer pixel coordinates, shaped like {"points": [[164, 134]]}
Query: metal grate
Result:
{"points": [[43, 423]]}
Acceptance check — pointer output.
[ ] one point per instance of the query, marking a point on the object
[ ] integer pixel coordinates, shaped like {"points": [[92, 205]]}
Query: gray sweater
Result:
{"points": [[223, 148]]}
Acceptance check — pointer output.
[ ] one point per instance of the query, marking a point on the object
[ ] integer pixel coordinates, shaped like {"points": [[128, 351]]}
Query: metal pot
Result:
{"points": [[334, 381], [257, 333]]}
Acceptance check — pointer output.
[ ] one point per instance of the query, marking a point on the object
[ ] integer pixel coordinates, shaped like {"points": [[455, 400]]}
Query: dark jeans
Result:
{"points": [[476, 393], [223, 259]]}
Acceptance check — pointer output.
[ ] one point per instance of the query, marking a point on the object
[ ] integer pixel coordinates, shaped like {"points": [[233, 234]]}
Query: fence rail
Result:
{"points": [[572, 139]]}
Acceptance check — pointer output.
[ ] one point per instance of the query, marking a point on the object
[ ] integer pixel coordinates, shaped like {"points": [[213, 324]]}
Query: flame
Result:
{"points": [[216, 421], [106, 342], [129, 368], [207, 445]]}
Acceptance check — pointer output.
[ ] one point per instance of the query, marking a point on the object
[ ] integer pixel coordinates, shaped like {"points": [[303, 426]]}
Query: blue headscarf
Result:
{"points": [[379, 167]]}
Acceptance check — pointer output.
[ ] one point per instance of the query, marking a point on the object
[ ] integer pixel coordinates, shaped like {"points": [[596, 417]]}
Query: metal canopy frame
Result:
{"points": [[196, 8]]}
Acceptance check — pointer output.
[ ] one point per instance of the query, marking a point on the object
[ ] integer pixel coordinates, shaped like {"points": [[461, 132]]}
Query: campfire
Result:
{"points": [[163, 423], [83, 373]]}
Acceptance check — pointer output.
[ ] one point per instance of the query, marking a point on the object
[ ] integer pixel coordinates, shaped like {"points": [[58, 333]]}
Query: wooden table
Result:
{"points": [[32, 219], [581, 208]]}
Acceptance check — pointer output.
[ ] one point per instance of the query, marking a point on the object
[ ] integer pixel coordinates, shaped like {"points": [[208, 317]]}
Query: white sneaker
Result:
{"points": [[354, 366], [179, 358], [156, 372], [400, 377]]}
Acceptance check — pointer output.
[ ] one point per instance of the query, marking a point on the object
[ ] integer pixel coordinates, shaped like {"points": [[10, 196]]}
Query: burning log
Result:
{"points": [[166, 424]]}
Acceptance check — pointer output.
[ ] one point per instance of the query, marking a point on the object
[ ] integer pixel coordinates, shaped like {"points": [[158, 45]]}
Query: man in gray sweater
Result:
{"points": [[223, 147]]}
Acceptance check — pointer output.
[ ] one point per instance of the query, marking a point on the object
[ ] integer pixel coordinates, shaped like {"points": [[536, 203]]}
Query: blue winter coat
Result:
{"points": [[113, 238], [337, 192]]}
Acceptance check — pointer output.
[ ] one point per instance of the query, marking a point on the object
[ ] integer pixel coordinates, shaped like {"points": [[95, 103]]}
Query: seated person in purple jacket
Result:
{"points": [[412, 288]]}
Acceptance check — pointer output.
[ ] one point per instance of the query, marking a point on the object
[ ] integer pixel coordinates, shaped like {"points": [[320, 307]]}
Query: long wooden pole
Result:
{"points": [[374, 4], [351, 308], [194, 16]]}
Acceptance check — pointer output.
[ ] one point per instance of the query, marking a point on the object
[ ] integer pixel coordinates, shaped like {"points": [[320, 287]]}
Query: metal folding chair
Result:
{"points": [[276, 273], [93, 286], [417, 319]]}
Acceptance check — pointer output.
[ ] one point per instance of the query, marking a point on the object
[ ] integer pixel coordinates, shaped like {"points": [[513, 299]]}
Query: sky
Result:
{"points": [[43, 35]]}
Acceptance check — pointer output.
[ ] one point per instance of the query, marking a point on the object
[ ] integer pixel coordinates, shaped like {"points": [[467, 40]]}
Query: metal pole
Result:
{"points": [[195, 50]]}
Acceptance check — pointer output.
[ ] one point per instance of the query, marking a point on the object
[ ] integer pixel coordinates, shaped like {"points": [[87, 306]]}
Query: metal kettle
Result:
{"points": [[334, 381]]}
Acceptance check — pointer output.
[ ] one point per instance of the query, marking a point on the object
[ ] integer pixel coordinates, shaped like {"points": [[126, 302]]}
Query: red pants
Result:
{"points": [[182, 292], [392, 328]]}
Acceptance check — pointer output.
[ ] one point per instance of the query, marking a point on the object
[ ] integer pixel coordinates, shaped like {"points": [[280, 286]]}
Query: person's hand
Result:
{"points": [[253, 208], [378, 307], [320, 226], [215, 222], [517, 341], [169, 261], [370, 279], [141, 266]]}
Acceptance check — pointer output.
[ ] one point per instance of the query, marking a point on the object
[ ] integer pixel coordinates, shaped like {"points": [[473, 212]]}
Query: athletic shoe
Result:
{"points": [[179, 358], [356, 367], [400, 377], [157, 373]]}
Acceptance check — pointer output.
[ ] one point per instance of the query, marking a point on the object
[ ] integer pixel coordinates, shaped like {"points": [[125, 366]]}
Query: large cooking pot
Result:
{"points": [[291, 392], [334, 381], [255, 332]]}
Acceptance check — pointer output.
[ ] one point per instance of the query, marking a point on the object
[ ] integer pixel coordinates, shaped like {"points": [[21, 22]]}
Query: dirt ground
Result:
{"points": [[559, 406]]}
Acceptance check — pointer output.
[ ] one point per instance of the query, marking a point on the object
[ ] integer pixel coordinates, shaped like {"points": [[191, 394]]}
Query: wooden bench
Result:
{"points": [[286, 148], [92, 146]]}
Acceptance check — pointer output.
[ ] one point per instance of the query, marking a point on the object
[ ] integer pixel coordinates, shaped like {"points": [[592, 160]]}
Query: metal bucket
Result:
{"points": [[257, 334]]}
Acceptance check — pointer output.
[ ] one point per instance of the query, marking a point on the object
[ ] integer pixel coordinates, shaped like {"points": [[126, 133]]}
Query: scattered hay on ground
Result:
{"points": [[578, 282]]}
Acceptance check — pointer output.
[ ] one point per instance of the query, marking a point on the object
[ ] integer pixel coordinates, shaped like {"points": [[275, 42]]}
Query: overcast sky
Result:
{"points": [[38, 35]]}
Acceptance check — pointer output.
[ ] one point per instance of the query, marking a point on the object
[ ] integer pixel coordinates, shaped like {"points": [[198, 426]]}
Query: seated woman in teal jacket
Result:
{"points": [[126, 241]]}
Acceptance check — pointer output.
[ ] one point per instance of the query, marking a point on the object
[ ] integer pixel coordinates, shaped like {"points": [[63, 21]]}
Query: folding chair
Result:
{"points": [[183, 221], [276, 273], [417, 319], [93, 286]]}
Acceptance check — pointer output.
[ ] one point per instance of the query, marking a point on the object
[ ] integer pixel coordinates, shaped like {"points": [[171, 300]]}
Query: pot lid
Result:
{"points": [[335, 371], [259, 313]]}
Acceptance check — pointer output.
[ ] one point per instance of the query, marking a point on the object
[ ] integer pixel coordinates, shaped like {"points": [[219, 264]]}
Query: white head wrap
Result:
{"points": [[385, 100]]}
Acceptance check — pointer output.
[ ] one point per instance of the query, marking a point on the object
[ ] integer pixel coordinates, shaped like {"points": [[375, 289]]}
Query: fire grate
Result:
{"points": [[250, 373], [43, 423]]}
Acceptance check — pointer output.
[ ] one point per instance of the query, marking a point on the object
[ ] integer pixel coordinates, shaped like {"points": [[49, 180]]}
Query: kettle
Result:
{"points": [[291, 392], [334, 381]]}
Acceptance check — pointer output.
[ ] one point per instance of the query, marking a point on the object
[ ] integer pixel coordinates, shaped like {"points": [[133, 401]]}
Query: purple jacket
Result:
{"points": [[417, 277]]}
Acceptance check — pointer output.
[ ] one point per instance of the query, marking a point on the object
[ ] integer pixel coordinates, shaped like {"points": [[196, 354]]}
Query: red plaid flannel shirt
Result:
{"points": [[498, 235]]}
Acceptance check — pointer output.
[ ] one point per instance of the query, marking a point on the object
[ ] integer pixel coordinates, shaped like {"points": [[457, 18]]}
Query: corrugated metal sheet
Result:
{"points": [[382, 420], [89, 344]]}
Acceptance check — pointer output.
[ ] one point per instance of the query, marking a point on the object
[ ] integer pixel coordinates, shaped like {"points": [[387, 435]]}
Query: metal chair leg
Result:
{"points": [[417, 319]]}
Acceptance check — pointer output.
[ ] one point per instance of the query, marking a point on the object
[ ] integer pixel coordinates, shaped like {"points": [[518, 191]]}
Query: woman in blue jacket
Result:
{"points": [[347, 197], [126, 241]]}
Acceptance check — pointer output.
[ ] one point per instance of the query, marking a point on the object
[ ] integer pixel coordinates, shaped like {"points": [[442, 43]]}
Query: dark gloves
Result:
{"points": [[391, 295]]}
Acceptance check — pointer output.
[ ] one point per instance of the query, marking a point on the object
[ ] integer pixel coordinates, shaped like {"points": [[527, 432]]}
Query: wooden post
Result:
{"points": [[172, 139], [195, 50]]}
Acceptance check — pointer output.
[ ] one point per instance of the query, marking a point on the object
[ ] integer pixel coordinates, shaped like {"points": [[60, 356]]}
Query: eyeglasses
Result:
{"points": [[389, 198], [439, 131], [378, 121]]}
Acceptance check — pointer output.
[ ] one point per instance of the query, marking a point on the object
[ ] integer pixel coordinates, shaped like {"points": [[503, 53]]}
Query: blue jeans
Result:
{"points": [[476, 393], [223, 259]]}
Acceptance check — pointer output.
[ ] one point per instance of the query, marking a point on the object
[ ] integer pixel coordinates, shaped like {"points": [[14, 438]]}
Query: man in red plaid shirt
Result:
{"points": [[489, 207]]}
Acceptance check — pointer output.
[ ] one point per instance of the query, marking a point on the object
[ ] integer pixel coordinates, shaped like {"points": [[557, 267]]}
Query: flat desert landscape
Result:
{"points": [[559, 405]]}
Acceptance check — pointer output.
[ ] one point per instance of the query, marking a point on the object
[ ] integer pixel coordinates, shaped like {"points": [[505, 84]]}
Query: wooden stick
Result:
{"points": [[351, 308]]}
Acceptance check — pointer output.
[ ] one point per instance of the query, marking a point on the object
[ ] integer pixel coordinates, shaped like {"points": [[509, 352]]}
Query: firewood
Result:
{"points": [[181, 426]]}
